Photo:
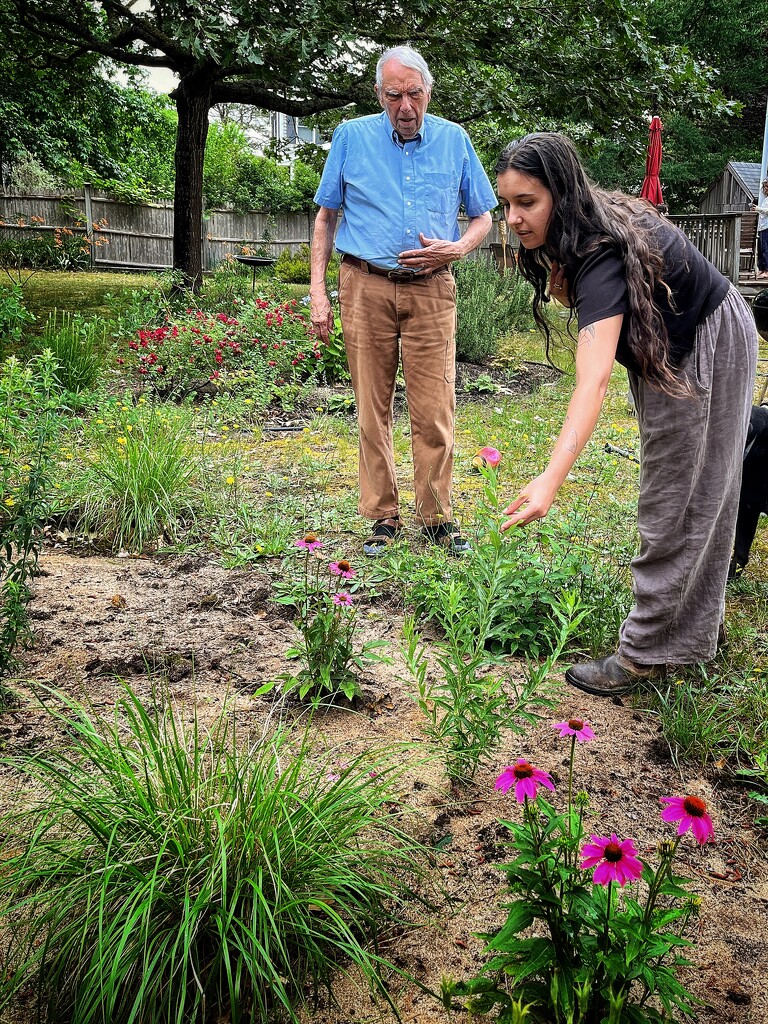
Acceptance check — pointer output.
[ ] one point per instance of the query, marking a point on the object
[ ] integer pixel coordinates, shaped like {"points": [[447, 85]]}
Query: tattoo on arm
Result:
{"points": [[571, 443], [587, 335]]}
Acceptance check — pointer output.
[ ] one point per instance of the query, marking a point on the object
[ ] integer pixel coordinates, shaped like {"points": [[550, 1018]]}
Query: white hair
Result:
{"points": [[410, 58]]}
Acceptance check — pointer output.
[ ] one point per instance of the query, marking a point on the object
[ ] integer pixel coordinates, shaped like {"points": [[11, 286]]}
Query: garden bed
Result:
{"points": [[213, 635]]}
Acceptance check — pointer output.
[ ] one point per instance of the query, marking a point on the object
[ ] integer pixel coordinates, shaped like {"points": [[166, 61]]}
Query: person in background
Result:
{"points": [[643, 295], [400, 178], [762, 230]]}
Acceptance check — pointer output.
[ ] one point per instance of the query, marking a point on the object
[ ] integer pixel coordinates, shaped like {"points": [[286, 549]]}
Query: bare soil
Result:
{"points": [[215, 635]]}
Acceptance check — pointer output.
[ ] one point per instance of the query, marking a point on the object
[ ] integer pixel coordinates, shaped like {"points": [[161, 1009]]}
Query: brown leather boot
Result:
{"points": [[611, 676]]}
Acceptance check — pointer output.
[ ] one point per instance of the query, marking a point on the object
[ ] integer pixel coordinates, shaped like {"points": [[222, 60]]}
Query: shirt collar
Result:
{"points": [[395, 138]]}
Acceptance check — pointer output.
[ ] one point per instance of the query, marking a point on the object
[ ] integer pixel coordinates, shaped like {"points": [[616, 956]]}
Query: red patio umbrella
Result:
{"points": [[651, 189]]}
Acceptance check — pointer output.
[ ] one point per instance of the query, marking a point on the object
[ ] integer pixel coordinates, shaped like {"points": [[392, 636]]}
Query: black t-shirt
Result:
{"points": [[599, 288]]}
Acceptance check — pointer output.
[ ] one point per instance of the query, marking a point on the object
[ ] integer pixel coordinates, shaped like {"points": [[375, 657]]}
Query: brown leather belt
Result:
{"points": [[398, 276]]}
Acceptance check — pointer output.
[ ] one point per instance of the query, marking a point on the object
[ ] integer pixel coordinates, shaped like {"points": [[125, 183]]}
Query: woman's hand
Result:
{"points": [[558, 284], [533, 502]]}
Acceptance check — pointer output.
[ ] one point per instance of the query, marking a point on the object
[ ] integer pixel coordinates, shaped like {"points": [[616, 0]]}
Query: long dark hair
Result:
{"points": [[585, 217]]}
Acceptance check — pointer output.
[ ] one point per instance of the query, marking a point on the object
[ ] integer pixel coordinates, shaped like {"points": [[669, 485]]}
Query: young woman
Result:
{"points": [[643, 295]]}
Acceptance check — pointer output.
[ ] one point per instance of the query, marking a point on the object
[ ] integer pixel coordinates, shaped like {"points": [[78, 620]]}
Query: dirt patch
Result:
{"points": [[215, 635]]}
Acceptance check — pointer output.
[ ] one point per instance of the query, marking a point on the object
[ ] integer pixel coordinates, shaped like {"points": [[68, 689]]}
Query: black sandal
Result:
{"points": [[383, 533], [448, 535]]}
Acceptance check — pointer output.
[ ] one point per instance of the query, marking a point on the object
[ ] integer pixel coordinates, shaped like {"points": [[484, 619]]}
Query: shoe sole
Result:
{"points": [[595, 690]]}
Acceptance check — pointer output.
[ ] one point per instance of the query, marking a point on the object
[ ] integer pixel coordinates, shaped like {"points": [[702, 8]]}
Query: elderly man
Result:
{"points": [[399, 178]]}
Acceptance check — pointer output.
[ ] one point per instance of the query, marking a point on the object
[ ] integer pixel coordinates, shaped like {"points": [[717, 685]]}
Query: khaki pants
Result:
{"points": [[691, 454], [384, 321]]}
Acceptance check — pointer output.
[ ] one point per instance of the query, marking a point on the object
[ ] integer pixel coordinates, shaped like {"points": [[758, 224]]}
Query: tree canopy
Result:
{"points": [[521, 61]]}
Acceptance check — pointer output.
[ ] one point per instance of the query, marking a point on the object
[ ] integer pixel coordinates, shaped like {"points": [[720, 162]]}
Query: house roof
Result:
{"points": [[747, 174]]}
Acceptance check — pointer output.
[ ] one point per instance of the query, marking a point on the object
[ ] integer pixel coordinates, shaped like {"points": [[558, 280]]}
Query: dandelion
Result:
{"points": [[309, 543], [614, 860], [691, 812], [342, 568], [525, 778], [343, 598], [230, 480], [576, 727], [10, 502], [120, 440]]}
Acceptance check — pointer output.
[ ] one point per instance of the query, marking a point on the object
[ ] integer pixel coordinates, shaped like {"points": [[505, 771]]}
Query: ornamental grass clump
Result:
{"points": [[326, 618], [156, 871], [594, 934], [138, 485]]}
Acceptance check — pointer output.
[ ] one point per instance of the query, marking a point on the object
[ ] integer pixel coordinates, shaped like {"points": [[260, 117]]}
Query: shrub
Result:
{"points": [[294, 267], [165, 873], [268, 340], [59, 249], [490, 306]]}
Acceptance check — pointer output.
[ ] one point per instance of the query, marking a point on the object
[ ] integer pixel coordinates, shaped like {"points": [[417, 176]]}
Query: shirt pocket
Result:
{"points": [[442, 191]]}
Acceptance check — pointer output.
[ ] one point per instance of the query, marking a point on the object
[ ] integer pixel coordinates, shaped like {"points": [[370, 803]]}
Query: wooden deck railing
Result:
{"points": [[717, 236]]}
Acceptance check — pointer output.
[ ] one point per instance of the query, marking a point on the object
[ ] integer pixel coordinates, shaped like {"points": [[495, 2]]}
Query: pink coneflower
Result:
{"points": [[342, 568], [309, 543], [525, 778], [691, 812], [343, 598], [616, 860], [576, 727]]}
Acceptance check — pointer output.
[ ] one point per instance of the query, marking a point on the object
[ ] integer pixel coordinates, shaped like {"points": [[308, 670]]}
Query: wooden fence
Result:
{"points": [[718, 237], [140, 237]]}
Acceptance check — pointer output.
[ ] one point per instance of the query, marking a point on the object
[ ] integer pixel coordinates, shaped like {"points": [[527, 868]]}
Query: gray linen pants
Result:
{"points": [[691, 454]]}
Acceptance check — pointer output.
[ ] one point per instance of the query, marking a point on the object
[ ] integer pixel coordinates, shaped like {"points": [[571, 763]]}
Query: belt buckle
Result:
{"points": [[400, 276]]}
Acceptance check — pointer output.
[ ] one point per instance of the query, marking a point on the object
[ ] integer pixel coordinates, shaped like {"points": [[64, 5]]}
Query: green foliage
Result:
{"points": [[14, 315], [28, 429], [294, 267], [60, 249], [326, 618], [489, 306], [332, 360], [137, 487], [593, 954], [470, 704], [234, 175], [78, 346], [163, 872], [526, 572], [709, 715]]}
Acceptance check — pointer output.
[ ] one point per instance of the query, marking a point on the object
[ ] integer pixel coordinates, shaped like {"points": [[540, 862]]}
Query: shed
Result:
{"points": [[734, 191]]}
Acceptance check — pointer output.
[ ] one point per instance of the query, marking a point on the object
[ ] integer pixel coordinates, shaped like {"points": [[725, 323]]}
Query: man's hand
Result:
{"points": [[321, 313], [436, 253]]}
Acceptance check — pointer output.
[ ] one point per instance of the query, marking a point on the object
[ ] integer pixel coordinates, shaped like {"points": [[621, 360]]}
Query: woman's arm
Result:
{"points": [[595, 353]]}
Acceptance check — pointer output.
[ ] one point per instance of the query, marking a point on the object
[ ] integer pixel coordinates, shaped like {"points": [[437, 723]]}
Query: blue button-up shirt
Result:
{"points": [[391, 191]]}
